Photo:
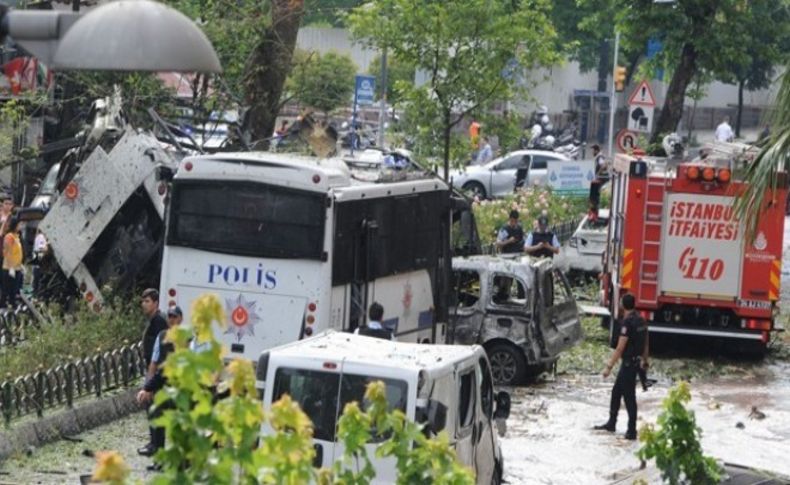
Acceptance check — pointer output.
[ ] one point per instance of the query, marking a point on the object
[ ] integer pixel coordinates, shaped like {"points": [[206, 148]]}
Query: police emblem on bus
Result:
{"points": [[243, 317]]}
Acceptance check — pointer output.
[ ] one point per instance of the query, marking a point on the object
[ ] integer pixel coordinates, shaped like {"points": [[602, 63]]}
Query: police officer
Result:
{"points": [[374, 327], [632, 346], [542, 243], [156, 323], [511, 237]]}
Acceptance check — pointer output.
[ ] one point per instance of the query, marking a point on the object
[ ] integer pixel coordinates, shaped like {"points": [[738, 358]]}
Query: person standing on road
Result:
{"points": [[511, 237], [13, 269], [724, 131], [632, 348], [375, 327], [156, 380], [156, 323], [486, 153], [542, 243]]}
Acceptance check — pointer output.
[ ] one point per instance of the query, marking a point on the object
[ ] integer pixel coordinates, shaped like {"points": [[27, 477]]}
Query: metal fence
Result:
{"points": [[14, 325], [563, 231], [61, 385]]}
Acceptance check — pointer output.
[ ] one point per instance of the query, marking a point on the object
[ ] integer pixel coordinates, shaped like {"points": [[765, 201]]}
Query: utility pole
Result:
{"points": [[613, 100], [383, 100]]}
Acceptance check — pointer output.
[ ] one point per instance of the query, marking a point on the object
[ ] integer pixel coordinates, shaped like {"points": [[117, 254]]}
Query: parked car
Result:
{"points": [[498, 177], [448, 388], [520, 309], [584, 250]]}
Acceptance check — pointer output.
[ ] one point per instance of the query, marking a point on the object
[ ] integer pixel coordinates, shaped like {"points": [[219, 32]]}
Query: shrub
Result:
{"points": [[675, 444], [72, 336]]}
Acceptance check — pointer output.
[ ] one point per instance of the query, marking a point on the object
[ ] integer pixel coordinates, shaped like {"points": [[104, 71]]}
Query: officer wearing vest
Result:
{"points": [[542, 243], [511, 236], [632, 347], [374, 327]]}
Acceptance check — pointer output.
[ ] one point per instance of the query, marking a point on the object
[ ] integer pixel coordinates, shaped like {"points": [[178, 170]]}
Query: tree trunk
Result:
{"points": [[268, 67], [672, 110], [603, 66], [448, 126], [739, 113]]}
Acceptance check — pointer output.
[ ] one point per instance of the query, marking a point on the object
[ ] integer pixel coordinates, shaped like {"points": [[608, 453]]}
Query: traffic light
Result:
{"points": [[619, 78]]}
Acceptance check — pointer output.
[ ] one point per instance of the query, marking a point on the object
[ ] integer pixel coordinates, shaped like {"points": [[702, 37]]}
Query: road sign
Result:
{"points": [[642, 95], [626, 140], [571, 177], [640, 118], [365, 89]]}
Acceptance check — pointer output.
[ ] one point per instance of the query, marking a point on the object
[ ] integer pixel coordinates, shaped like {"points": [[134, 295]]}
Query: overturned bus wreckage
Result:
{"points": [[521, 310]]}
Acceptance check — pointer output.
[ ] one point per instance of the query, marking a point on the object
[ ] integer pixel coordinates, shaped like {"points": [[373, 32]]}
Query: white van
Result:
{"points": [[447, 387]]}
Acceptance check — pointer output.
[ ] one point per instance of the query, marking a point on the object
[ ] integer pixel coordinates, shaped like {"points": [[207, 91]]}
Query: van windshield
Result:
{"points": [[248, 219], [317, 395]]}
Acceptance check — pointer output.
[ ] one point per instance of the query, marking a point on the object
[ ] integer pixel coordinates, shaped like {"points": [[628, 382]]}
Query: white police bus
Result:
{"points": [[295, 245]]}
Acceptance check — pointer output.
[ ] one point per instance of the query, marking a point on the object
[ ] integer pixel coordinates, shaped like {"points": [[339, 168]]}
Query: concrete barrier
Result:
{"points": [[68, 422]]}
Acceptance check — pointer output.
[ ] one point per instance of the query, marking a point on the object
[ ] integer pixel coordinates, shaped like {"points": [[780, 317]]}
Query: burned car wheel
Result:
{"points": [[508, 365]]}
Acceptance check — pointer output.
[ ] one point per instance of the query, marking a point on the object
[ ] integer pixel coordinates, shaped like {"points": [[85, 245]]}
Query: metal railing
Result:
{"points": [[63, 384]]}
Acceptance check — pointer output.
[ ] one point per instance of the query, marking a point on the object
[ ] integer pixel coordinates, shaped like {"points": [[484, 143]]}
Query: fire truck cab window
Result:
{"points": [[508, 291]]}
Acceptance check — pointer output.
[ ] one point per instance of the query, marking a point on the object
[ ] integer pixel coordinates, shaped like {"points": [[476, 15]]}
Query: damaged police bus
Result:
{"points": [[294, 245]]}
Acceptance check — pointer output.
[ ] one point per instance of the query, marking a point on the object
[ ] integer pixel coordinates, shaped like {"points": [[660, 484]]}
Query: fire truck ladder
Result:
{"points": [[651, 241]]}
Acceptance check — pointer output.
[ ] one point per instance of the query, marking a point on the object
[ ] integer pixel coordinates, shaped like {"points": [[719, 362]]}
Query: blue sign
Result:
{"points": [[654, 46], [365, 90]]}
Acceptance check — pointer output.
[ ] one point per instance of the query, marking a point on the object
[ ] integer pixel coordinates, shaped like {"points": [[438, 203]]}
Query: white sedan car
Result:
{"points": [[497, 178], [583, 252]]}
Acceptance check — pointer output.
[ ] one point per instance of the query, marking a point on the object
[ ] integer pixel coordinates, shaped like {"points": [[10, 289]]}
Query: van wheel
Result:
{"points": [[508, 366]]}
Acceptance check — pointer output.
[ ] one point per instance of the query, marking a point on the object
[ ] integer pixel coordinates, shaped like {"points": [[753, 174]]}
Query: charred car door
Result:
{"points": [[467, 311], [559, 323]]}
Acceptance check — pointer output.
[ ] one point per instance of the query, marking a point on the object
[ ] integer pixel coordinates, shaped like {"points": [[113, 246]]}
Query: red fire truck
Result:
{"points": [[676, 245]]}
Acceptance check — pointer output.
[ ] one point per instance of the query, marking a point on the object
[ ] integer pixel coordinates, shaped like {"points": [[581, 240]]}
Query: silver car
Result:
{"points": [[497, 178]]}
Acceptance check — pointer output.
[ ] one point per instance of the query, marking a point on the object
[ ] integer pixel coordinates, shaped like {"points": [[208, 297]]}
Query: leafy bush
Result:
{"points": [[220, 440], [675, 445], [72, 336], [491, 215]]}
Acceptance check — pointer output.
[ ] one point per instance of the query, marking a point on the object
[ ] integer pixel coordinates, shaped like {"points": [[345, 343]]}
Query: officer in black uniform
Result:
{"points": [[542, 243], [156, 323], [632, 347], [511, 237]]}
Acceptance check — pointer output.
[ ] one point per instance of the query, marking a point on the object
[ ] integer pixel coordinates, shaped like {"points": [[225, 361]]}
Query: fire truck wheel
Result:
{"points": [[508, 365]]}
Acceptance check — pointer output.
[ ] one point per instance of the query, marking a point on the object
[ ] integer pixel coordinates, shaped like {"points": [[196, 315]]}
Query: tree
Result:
{"points": [[774, 157], [398, 72], [323, 82], [255, 41], [757, 43], [471, 52], [693, 34]]}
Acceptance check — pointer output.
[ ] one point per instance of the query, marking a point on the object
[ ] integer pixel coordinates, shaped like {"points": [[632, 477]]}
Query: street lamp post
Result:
{"points": [[613, 100], [123, 35]]}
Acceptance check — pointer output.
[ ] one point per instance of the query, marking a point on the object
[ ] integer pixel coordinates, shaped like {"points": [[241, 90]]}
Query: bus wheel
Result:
{"points": [[508, 365]]}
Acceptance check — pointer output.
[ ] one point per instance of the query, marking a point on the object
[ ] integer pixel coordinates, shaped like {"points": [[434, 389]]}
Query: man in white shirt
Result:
{"points": [[724, 131], [374, 327], [486, 153]]}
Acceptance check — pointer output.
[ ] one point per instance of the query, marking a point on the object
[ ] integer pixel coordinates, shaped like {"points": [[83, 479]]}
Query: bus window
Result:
{"points": [[249, 219]]}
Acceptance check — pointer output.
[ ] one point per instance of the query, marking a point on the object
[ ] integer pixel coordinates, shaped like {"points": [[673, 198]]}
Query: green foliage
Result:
{"points": [[398, 72], [72, 336], [218, 439], [675, 443], [323, 82], [139, 91], [14, 122], [328, 13], [463, 47], [491, 215]]}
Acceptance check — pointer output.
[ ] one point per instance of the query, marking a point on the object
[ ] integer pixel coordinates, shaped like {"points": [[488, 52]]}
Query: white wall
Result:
{"points": [[553, 87]]}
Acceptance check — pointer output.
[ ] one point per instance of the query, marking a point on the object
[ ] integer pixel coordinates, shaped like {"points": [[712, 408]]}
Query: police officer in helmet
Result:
{"points": [[511, 237], [632, 347], [542, 243]]}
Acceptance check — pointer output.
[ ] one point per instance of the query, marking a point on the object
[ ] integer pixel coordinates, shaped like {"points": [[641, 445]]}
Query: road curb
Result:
{"points": [[68, 422]]}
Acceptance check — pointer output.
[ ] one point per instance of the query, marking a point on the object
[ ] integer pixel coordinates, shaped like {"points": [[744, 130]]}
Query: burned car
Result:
{"points": [[520, 309]]}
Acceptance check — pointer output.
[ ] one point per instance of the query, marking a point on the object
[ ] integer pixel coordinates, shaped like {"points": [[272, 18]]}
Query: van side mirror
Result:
{"points": [[433, 416], [502, 410]]}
